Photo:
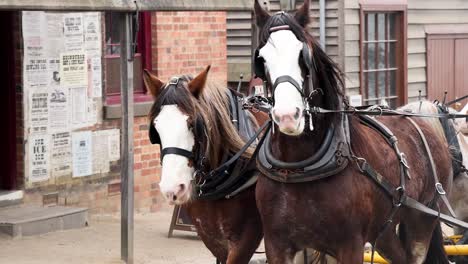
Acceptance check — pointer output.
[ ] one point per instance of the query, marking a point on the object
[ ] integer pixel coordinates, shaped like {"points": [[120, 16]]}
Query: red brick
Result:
{"points": [[137, 166], [146, 172], [154, 163], [145, 157]]}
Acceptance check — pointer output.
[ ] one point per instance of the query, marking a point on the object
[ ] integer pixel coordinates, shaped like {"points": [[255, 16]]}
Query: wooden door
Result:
{"points": [[447, 66], [461, 69]]}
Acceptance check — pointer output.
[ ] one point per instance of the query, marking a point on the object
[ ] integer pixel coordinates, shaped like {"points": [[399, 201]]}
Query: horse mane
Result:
{"points": [[212, 106], [327, 73]]}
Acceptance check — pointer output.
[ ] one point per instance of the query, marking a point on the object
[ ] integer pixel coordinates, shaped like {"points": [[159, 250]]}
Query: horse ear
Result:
{"points": [[302, 15], [152, 83], [261, 15], [198, 83]]}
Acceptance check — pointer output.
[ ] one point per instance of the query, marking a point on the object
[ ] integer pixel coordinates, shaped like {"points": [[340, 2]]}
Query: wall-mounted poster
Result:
{"points": [[95, 82], [55, 38], [78, 107], [58, 109], [73, 69], [92, 34], [73, 31], [38, 111], [35, 73], [114, 144], [61, 156], [38, 158], [101, 163], [82, 152]]}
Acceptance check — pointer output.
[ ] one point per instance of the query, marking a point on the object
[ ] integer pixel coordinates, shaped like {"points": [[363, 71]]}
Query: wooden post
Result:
{"points": [[126, 169]]}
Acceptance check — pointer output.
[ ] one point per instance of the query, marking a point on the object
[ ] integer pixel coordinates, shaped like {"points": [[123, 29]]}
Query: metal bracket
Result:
{"points": [[440, 189], [403, 160], [173, 81]]}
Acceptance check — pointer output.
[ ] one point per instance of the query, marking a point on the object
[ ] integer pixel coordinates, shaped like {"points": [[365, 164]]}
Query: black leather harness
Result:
{"points": [[236, 172], [398, 194], [329, 160]]}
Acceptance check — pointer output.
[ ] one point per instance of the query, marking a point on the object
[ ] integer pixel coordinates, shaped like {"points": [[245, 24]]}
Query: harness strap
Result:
{"points": [[234, 158], [234, 109], [250, 163], [220, 190], [288, 79], [405, 200], [177, 151], [457, 100], [439, 188]]}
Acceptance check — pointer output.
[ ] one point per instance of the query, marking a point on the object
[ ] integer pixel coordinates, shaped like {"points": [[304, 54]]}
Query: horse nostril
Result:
{"points": [[170, 195], [297, 114], [181, 188], [174, 197]]}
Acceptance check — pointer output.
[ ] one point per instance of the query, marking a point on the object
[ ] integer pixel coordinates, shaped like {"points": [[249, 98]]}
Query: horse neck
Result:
{"points": [[293, 149]]}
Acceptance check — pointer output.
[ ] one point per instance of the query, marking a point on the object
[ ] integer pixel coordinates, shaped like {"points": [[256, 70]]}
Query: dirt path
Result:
{"points": [[100, 243]]}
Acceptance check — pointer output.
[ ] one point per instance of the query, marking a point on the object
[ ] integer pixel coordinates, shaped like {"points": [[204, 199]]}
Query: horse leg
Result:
{"points": [[278, 251], [390, 246], [241, 251], [351, 253], [422, 239]]}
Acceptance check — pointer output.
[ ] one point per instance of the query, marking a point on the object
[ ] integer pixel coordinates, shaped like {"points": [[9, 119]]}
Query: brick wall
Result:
{"points": [[147, 168], [186, 42]]}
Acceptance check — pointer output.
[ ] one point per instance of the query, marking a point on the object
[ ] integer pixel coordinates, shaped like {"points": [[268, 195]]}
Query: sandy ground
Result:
{"points": [[100, 243]]}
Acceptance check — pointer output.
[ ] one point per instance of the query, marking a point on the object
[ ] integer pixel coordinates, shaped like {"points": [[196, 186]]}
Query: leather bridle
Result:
{"points": [[195, 155], [213, 183], [306, 56]]}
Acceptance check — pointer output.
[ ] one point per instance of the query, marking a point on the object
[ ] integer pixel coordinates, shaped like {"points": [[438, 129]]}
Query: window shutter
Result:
{"points": [[239, 44]]}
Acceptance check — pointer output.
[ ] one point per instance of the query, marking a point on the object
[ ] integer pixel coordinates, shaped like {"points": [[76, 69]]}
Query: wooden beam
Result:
{"points": [[126, 158], [127, 5]]}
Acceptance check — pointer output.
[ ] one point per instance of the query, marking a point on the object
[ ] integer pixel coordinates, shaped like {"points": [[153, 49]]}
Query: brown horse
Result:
{"points": [[192, 115], [337, 209]]}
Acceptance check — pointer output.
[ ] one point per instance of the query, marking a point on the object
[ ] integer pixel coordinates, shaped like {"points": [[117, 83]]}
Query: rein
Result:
{"points": [[457, 100], [384, 112]]}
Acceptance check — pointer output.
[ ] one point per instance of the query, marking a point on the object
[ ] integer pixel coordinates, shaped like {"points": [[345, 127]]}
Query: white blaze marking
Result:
{"points": [[281, 54], [173, 130]]}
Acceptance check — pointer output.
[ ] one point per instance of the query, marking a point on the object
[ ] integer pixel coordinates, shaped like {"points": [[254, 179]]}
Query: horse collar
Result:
{"points": [[329, 160]]}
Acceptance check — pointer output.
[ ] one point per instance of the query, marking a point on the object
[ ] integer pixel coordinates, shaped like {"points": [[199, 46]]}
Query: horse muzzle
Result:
{"points": [[290, 120]]}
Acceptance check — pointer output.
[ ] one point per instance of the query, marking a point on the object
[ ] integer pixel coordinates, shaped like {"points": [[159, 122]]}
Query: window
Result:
{"points": [[112, 57], [383, 53]]}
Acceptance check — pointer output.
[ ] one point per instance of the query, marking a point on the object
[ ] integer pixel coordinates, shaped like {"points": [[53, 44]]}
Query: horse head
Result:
{"points": [[173, 125], [298, 72]]}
